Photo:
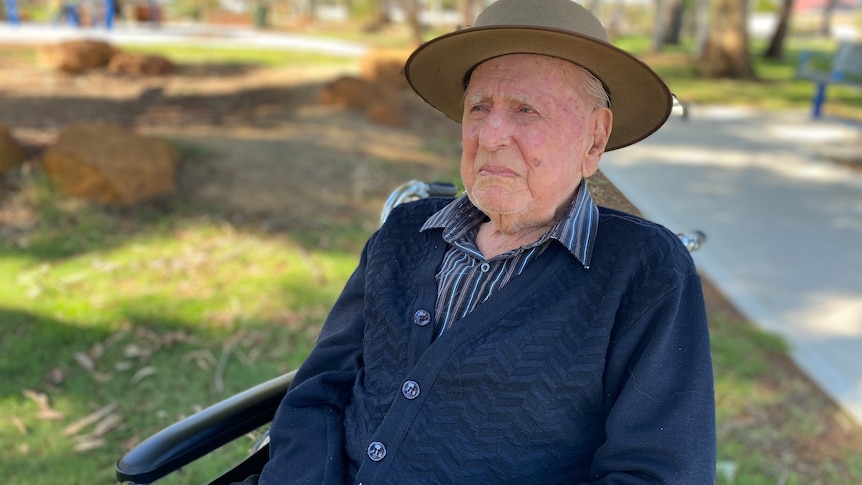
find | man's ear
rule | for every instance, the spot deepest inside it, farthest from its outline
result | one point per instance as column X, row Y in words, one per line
column 603, row 120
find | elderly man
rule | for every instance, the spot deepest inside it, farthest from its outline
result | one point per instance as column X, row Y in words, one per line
column 519, row 333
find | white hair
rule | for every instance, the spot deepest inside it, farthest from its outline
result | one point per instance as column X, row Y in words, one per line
column 595, row 90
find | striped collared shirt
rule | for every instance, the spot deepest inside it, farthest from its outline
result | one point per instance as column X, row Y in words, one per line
column 466, row 278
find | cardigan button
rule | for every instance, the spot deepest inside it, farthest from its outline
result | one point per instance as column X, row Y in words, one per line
column 410, row 389
column 421, row 318
column 376, row 451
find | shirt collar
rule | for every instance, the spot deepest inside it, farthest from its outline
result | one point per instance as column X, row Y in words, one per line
column 576, row 230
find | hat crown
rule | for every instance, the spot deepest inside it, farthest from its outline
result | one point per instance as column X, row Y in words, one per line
column 554, row 14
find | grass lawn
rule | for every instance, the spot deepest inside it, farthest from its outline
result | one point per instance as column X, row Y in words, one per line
column 117, row 322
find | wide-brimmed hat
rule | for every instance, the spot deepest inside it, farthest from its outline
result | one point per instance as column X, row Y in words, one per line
column 439, row 69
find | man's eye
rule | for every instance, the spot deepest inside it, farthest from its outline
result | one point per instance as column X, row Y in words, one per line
column 527, row 109
column 478, row 107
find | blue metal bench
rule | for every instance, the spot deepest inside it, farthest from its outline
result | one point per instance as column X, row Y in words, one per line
column 844, row 67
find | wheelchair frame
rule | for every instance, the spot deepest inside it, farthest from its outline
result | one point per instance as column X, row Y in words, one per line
column 191, row 438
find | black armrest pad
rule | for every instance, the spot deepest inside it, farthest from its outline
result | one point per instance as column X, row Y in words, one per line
column 193, row 437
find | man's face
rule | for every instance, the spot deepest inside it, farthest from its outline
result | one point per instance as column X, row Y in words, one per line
column 529, row 133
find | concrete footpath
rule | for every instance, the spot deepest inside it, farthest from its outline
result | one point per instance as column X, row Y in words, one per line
column 783, row 221
column 178, row 33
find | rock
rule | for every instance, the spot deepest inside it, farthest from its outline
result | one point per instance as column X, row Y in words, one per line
column 139, row 65
column 347, row 92
column 385, row 67
column 11, row 152
column 380, row 103
column 388, row 113
column 76, row 56
column 378, row 89
column 111, row 165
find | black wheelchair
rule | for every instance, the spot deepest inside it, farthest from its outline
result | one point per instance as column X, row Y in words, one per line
column 187, row 440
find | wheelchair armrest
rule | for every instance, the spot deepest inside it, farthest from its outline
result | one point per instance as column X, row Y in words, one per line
column 193, row 437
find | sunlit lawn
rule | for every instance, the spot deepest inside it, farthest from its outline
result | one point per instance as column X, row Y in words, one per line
column 156, row 312
column 148, row 314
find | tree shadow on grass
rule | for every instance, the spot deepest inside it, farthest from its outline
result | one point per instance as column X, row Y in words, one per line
column 148, row 372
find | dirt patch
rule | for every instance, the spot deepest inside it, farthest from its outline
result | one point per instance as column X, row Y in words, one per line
column 257, row 142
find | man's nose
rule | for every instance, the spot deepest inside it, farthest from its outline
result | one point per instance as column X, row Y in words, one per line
column 496, row 130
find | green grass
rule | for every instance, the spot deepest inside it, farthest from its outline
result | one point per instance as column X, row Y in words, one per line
column 190, row 54
column 776, row 86
column 164, row 309
column 162, row 312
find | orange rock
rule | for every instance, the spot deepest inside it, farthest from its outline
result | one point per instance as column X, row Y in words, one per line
column 382, row 104
column 76, row 56
column 347, row 92
column 111, row 165
column 385, row 67
column 11, row 152
column 139, row 65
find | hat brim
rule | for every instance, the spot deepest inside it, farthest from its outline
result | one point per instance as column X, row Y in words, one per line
column 640, row 100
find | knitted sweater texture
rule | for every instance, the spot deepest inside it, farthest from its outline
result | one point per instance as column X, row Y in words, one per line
column 566, row 375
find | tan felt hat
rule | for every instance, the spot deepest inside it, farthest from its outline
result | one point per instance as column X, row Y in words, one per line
column 439, row 69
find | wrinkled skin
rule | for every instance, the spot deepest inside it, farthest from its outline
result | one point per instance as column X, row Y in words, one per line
column 530, row 134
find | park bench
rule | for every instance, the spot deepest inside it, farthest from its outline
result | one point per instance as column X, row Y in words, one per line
column 842, row 67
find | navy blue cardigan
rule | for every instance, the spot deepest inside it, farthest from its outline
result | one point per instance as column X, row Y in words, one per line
column 566, row 375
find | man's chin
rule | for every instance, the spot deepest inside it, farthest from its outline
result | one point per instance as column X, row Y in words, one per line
column 497, row 207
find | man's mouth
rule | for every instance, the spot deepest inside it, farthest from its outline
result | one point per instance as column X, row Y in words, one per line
column 496, row 171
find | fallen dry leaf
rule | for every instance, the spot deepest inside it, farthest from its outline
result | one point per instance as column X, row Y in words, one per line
column 97, row 351
column 136, row 351
column 22, row 428
column 89, row 443
column 143, row 373
column 89, row 419
column 106, row 425
column 100, row 377
column 204, row 358
column 56, row 376
column 85, row 361
column 45, row 410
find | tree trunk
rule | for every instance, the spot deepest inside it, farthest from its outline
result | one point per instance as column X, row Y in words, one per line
column 701, row 27
column 673, row 30
column 617, row 20
column 826, row 24
column 775, row 50
column 467, row 9
column 411, row 11
column 661, row 14
column 380, row 17
column 726, row 51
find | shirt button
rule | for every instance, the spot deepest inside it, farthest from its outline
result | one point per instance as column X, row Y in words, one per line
column 485, row 267
column 410, row 389
column 421, row 318
column 376, row 451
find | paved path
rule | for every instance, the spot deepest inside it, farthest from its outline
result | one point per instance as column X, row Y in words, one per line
column 187, row 34
column 784, row 224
